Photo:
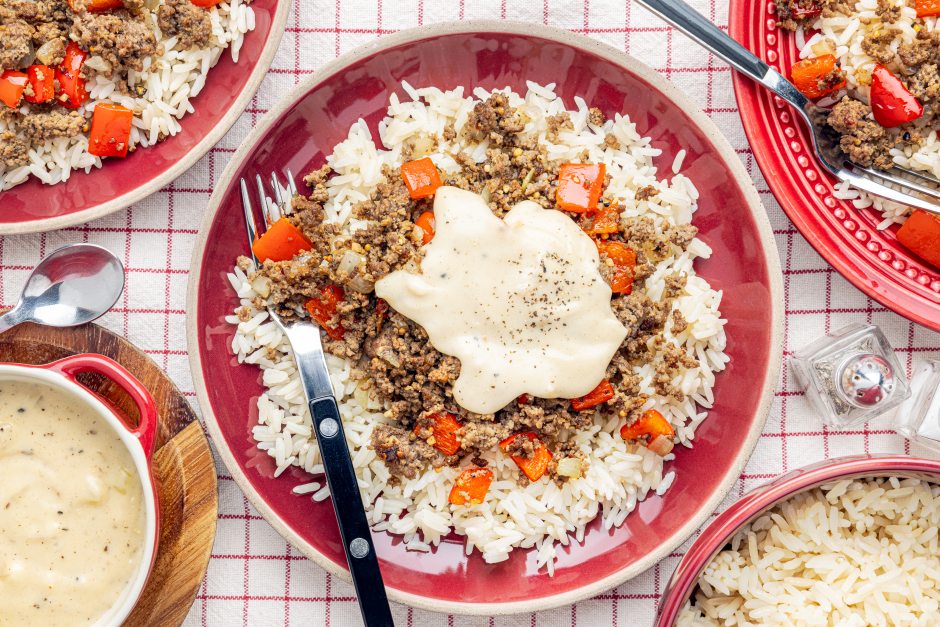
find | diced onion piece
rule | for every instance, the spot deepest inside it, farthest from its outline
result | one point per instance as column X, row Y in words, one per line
column 262, row 285
column 412, row 267
column 487, row 195
column 360, row 284
column 349, row 262
column 361, row 395
column 661, row 445
column 423, row 147
column 390, row 356
column 49, row 52
column 97, row 63
column 569, row 467
column 822, row 48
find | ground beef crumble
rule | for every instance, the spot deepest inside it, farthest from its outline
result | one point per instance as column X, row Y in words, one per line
column 191, row 23
column 392, row 356
column 864, row 141
column 14, row 151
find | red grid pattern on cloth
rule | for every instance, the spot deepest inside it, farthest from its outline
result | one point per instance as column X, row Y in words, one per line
column 255, row 579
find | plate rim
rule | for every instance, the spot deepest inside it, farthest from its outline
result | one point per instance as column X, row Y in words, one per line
column 45, row 225
column 628, row 63
column 841, row 263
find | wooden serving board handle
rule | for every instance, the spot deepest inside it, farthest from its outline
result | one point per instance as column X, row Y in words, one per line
column 183, row 462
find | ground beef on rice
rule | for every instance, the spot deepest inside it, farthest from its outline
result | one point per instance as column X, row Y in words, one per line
column 120, row 37
column 392, row 356
column 14, row 151
column 191, row 23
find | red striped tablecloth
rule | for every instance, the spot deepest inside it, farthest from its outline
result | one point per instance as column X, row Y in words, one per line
column 255, row 579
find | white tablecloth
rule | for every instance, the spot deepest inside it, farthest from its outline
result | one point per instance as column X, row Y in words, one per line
column 255, row 579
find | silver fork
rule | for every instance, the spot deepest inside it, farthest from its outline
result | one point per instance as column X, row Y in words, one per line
column 305, row 343
column 687, row 20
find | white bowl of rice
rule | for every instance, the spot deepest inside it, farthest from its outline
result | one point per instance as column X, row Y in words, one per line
column 850, row 541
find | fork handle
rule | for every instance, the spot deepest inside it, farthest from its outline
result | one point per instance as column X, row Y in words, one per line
column 353, row 526
column 712, row 38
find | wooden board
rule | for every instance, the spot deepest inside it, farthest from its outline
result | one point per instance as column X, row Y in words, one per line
column 182, row 462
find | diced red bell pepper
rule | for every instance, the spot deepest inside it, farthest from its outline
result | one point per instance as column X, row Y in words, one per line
column 444, row 433
column 280, row 242
column 921, row 234
column 206, row 3
column 97, row 6
column 651, row 423
column 381, row 308
column 42, row 80
column 624, row 259
column 72, row 93
column 807, row 74
column 12, row 86
column 522, row 400
column 533, row 467
column 427, row 223
column 421, row 178
column 580, row 186
column 602, row 221
column 110, row 130
column 891, row 103
column 324, row 308
column 471, row 486
column 926, row 8
column 603, row 392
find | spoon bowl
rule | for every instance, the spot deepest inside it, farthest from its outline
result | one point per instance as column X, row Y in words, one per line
column 73, row 285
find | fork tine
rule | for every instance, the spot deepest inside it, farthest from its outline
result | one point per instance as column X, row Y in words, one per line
column 896, row 180
column 921, row 175
column 278, row 196
column 265, row 211
column 250, row 223
column 290, row 184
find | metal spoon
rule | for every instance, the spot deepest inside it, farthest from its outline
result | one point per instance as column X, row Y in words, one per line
column 73, row 285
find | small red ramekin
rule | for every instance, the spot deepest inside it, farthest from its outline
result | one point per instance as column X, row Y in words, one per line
column 139, row 441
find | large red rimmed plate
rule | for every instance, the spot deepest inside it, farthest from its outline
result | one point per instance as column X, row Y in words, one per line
column 33, row 207
column 872, row 260
column 302, row 129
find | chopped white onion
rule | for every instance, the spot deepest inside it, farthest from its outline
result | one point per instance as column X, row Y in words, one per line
column 661, row 445
column 349, row 262
column 360, row 284
column 262, row 285
column 569, row 467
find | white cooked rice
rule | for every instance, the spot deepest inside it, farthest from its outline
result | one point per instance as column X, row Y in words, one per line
column 621, row 474
column 848, row 33
column 850, row 554
column 171, row 79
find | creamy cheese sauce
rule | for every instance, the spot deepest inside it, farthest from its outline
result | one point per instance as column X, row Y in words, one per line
column 519, row 301
column 72, row 518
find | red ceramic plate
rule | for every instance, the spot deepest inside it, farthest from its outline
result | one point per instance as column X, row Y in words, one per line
column 33, row 207
column 301, row 131
column 874, row 261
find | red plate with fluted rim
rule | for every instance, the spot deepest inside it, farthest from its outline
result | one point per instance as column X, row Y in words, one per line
column 298, row 134
column 872, row 260
column 33, row 207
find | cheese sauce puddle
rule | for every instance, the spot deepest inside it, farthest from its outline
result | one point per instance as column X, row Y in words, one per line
column 72, row 518
column 519, row 301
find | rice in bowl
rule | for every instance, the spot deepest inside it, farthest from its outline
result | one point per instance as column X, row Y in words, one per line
column 515, row 512
column 851, row 553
